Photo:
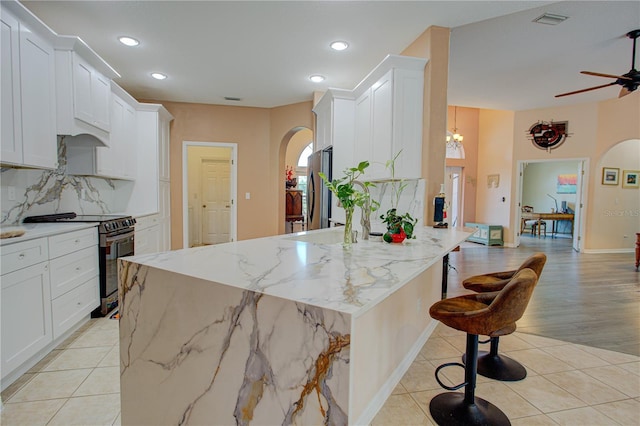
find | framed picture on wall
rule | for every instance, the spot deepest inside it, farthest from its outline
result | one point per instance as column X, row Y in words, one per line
column 630, row 179
column 610, row 176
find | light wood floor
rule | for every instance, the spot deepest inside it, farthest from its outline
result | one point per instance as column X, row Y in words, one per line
column 590, row 299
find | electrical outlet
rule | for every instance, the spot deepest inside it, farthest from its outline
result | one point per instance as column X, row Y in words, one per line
column 83, row 193
column 247, row 196
column 11, row 193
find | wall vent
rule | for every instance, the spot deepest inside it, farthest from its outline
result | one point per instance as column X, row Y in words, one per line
column 550, row 19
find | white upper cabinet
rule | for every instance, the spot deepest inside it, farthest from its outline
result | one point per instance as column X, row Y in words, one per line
column 84, row 91
column 152, row 146
column 373, row 122
column 91, row 92
column 389, row 120
column 28, row 93
column 118, row 160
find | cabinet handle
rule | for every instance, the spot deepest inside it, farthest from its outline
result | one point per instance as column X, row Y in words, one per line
column 78, row 268
column 79, row 303
column 77, row 241
column 21, row 255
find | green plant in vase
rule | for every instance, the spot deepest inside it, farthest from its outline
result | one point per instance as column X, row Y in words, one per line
column 349, row 197
column 399, row 226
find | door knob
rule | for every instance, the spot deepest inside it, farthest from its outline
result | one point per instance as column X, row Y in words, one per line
column 204, row 206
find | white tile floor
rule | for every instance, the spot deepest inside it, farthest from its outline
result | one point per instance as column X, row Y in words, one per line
column 567, row 384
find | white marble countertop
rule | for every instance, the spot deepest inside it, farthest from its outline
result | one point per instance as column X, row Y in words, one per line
column 39, row 230
column 312, row 267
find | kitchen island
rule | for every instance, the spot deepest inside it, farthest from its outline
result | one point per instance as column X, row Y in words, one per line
column 291, row 329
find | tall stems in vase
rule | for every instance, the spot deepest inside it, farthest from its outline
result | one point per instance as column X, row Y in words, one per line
column 349, row 197
column 399, row 226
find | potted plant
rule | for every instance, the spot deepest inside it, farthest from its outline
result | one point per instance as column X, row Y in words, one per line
column 349, row 197
column 399, row 226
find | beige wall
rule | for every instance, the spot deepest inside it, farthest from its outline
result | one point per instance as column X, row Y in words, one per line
column 261, row 135
column 495, row 156
column 614, row 217
column 594, row 129
column 466, row 121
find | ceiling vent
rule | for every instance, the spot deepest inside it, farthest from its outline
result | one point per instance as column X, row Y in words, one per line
column 550, row 19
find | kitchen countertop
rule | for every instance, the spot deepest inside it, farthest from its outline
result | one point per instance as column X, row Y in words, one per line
column 312, row 267
column 39, row 230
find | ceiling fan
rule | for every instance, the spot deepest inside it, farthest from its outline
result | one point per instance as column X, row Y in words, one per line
column 629, row 81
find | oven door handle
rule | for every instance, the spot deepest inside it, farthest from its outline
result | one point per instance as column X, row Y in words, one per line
column 120, row 237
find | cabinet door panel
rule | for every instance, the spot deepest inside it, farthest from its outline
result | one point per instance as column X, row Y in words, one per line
column 26, row 315
column 82, row 107
column 37, row 66
column 382, row 125
column 362, row 138
column 129, row 141
column 10, row 89
column 101, row 94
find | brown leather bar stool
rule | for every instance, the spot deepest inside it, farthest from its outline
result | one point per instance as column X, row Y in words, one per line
column 470, row 313
column 491, row 364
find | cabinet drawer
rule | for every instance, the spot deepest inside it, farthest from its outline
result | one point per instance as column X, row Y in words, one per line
column 146, row 221
column 21, row 255
column 68, row 272
column 62, row 244
column 68, row 309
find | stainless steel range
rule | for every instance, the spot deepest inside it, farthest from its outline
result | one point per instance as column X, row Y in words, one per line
column 116, row 239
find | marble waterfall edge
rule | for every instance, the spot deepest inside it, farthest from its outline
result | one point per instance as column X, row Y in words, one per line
column 244, row 357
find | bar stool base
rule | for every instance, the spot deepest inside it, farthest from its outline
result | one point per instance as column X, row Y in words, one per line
column 450, row 408
column 499, row 367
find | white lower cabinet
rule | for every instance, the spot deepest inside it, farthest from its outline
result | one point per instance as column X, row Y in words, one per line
column 26, row 315
column 49, row 285
column 147, row 236
column 74, row 277
column 68, row 309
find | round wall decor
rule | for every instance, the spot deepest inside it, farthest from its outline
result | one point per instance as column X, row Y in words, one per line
column 548, row 135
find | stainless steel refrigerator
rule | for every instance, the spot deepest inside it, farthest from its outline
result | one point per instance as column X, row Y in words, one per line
column 318, row 196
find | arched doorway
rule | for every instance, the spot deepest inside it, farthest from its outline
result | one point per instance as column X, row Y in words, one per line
column 299, row 147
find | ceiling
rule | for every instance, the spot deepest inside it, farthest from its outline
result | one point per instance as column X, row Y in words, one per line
column 264, row 51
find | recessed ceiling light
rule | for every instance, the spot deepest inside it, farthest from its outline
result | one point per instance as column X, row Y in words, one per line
column 316, row 78
column 158, row 75
column 339, row 45
column 128, row 41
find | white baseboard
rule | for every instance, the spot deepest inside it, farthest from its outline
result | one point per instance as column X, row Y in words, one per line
column 605, row 251
column 381, row 396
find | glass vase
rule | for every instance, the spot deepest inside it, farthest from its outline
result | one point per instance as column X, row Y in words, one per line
column 348, row 221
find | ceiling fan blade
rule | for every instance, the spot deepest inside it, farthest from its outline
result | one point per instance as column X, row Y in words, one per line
column 585, row 90
column 599, row 74
column 624, row 92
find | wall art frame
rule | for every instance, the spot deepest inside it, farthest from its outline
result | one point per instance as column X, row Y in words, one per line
column 610, row 175
column 631, row 178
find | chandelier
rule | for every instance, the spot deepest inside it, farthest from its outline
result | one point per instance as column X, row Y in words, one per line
column 454, row 139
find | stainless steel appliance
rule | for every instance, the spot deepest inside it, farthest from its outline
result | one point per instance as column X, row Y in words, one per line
column 318, row 196
column 116, row 239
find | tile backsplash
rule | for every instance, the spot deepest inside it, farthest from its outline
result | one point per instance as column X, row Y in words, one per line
column 36, row 192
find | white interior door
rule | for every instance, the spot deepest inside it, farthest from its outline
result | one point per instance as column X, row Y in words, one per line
column 216, row 201
column 453, row 194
